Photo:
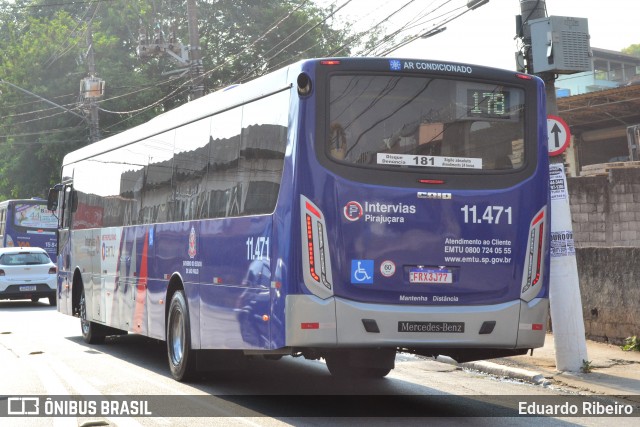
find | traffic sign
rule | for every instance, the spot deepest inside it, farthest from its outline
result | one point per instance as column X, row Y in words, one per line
column 558, row 134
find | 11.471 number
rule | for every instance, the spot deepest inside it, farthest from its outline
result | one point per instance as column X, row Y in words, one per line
column 491, row 214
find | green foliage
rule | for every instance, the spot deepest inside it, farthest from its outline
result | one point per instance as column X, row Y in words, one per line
column 631, row 344
column 634, row 50
column 34, row 134
column 586, row 366
column 44, row 46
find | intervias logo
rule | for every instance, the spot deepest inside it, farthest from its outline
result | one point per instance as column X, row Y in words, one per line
column 353, row 211
column 383, row 213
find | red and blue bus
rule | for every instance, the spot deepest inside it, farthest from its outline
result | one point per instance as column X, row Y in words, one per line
column 28, row 223
column 339, row 209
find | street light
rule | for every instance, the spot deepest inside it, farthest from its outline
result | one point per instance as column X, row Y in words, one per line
column 474, row 4
column 433, row 32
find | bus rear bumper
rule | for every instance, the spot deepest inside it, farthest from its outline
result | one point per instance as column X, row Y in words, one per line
column 336, row 322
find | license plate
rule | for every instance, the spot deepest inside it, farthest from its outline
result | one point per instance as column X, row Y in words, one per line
column 429, row 275
column 27, row 288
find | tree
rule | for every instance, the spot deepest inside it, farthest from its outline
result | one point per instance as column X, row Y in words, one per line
column 634, row 50
column 33, row 133
column 44, row 47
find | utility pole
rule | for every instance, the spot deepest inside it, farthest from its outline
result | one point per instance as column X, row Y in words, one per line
column 190, row 57
column 92, row 88
column 564, row 290
column 195, row 54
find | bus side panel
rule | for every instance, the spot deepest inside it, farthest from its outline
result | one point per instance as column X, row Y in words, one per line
column 81, row 259
column 235, row 285
column 286, row 244
column 95, row 282
column 157, row 282
column 176, row 251
column 109, row 245
column 137, row 249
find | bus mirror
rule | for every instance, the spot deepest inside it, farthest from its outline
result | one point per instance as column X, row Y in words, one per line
column 52, row 199
column 74, row 201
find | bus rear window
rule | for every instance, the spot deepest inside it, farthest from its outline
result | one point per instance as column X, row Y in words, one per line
column 421, row 122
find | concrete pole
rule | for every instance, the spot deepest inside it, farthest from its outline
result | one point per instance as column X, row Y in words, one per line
column 564, row 293
column 94, row 120
column 195, row 54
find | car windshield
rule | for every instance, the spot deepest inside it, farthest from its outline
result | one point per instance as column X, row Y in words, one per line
column 24, row 259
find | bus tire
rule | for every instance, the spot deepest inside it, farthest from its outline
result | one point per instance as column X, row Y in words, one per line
column 92, row 333
column 52, row 301
column 182, row 359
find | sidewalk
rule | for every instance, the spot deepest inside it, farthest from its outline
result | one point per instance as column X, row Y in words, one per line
column 613, row 371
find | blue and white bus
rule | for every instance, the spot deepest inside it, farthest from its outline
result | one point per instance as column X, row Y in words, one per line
column 343, row 209
column 28, row 223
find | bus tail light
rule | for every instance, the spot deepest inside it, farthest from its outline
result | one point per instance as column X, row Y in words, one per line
column 534, row 268
column 316, row 262
column 310, row 325
column 524, row 76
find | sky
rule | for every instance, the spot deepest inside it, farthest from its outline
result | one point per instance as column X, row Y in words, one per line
column 485, row 36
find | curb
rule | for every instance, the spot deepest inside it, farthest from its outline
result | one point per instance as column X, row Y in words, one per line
column 508, row 371
column 500, row 370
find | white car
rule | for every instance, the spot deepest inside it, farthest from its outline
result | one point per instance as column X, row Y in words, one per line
column 27, row 273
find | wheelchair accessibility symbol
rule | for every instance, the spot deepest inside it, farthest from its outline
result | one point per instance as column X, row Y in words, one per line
column 362, row 271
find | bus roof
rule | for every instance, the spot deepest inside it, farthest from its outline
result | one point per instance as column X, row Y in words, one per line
column 235, row 95
column 190, row 112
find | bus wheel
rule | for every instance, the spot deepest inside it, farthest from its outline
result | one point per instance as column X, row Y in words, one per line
column 92, row 333
column 181, row 357
column 52, row 301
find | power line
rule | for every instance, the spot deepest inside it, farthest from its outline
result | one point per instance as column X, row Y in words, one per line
column 422, row 32
column 266, row 61
column 73, row 3
column 370, row 30
column 289, row 38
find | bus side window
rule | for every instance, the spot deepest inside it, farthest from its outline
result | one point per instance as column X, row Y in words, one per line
column 74, row 200
column 67, row 207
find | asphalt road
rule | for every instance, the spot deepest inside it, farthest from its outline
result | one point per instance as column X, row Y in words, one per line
column 42, row 354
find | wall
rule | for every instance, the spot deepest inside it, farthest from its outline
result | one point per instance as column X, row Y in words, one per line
column 610, row 292
column 605, row 211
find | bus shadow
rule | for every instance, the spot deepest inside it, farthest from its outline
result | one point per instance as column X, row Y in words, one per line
column 292, row 387
column 142, row 351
